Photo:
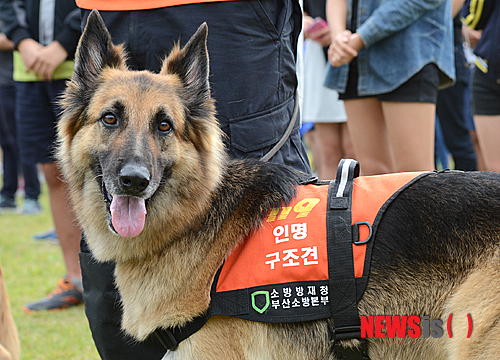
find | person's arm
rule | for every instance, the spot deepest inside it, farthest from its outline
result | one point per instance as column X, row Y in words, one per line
column 319, row 34
column 5, row 43
column 456, row 6
column 48, row 58
column 336, row 16
column 70, row 33
column 341, row 51
column 392, row 17
column 43, row 60
column 14, row 23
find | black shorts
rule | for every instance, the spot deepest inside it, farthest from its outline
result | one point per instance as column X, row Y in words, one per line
column 37, row 114
column 485, row 94
column 421, row 87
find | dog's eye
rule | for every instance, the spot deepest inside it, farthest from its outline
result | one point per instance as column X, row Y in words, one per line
column 164, row 126
column 109, row 119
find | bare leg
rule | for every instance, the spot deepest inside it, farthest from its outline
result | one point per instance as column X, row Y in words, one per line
column 347, row 147
column 411, row 129
column 328, row 136
column 487, row 129
column 67, row 228
column 369, row 136
column 311, row 139
column 477, row 149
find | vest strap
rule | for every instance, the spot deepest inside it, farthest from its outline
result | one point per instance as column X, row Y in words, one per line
column 170, row 338
column 343, row 299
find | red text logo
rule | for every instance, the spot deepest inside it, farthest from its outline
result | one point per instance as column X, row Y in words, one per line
column 413, row 326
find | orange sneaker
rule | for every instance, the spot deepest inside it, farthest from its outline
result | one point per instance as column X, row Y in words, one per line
column 65, row 295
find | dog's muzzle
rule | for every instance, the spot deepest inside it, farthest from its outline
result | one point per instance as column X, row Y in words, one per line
column 127, row 205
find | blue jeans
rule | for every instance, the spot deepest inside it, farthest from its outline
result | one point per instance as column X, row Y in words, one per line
column 451, row 113
column 13, row 164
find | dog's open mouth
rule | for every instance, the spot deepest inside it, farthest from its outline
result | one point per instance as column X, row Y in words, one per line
column 126, row 214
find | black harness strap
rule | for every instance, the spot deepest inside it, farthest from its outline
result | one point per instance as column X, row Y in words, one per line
column 342, row 283
column 170, row 338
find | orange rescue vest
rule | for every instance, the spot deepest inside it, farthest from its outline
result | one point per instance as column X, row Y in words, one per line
column 309, row 260
column 281, row 271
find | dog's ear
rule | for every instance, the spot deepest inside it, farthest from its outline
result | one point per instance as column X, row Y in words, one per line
column 95, row 52
column 191, row 65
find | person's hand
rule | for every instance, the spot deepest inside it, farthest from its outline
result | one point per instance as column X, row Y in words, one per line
column 43, row 60
column 321, row 36
column 471, row 35
column 29, row 48
column 5, row 43
column 307, row 22
column 341, row 51
column 356, row 42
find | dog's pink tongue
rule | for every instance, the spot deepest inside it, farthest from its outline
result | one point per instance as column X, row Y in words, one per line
column 128, row 215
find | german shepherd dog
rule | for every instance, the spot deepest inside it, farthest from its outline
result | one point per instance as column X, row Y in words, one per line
column 154, row 192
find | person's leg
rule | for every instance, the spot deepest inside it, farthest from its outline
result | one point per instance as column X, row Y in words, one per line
column 411, row 128
column 487, row 129
column 8, row 143
column 477, row 150
column 311, row 140
column 486, row 110
column 65, row 222
column 441, row 152
column 469, row 121
column 11, row 151
column 451, row 114
column 330, row 146
column 31, row 181
column 345, row 139
column 37, row 115
column 369, row 136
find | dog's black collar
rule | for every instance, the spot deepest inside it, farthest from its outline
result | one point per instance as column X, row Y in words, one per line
column 170, row 338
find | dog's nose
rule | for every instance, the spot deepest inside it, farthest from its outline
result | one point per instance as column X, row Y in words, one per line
column 134, row 179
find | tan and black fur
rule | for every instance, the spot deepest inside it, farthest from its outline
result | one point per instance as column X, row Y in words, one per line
column 9, row 340
column 153, row 139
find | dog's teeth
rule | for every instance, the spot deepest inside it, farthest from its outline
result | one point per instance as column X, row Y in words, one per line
column 112, row 211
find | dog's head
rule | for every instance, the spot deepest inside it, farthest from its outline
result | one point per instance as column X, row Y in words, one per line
column 136, row 146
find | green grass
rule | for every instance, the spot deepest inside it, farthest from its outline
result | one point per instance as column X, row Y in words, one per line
column 32, row 270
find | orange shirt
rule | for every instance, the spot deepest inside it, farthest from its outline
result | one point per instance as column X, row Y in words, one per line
column 126, row 5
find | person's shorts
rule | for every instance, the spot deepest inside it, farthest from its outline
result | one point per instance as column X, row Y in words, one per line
column 37, row 115
column 485, row 94
column 422, row 87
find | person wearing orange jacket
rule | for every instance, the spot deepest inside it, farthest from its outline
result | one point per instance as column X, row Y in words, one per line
column 252, row 46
